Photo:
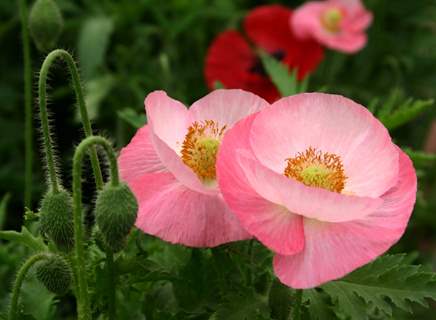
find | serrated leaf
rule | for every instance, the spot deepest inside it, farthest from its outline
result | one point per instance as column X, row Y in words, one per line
column 318, row 306
column 3, row 206
column 389, row 281
column 246, row 305
column 285, row 81
column 133, row 118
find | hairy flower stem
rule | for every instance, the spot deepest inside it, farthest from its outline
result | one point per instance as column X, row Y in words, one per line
column 296, row 308
column 48, row 143
column 83, row 304
column 19, row 281
column 28, row 128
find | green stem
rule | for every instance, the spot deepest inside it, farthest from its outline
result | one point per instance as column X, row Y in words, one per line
column 83, row 305
column 296, row 310
column 48, row 143
column 19, row 281
column 28, row 128
column 111, row 294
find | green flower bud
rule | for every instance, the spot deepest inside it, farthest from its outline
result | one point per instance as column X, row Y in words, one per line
column 57, row 219
column 100, row 241
column 55, row 274
column 115, row 213
column 45, row 24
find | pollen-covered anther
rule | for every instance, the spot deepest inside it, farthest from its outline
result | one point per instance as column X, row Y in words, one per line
column 331, row 20
column 200, row 148
column 319, row 169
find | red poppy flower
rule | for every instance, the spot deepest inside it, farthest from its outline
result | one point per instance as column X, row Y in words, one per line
column 233, row 62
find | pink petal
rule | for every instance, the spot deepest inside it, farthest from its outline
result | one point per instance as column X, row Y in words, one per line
column 346, row 41
column 306, row 19
column 333, row 124
column 314, row 203
column 168, row 118
column 139, row 157
column 274, row 226
column 334, row 249
column 177, row 214
column 169, row 121
column 226, row 106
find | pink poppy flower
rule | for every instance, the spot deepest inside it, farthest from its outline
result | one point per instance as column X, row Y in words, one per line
column 317, row 179
column 338, row 24
column 170, row 166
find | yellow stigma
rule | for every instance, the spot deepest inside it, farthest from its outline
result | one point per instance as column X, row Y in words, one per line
column 315, row 168
column 331, row 20
column 200, row 148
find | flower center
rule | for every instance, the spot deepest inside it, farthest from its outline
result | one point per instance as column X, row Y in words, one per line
column 331, row 19
column 319, row 169
column 200, row 147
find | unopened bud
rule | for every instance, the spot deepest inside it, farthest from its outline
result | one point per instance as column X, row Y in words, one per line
column 45, row 24
column 115, row 212
column 55, row 274
column 57, row 219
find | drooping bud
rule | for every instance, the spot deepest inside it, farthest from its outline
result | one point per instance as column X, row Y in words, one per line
column 45, row 24
column 100, row 241
column 115, row 212
column 57, row 219
column 55, row 274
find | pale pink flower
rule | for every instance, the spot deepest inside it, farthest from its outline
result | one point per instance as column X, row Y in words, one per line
column 338, row 24
column 317, row 179
column 170, row 166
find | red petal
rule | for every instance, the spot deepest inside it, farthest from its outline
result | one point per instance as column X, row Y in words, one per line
column 270, row 29
column 229, row 60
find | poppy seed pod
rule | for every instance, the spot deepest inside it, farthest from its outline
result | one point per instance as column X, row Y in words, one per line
column 55, row 274
column 115, row 213
column 45, row 24
column 100, row 241
column 57, row 219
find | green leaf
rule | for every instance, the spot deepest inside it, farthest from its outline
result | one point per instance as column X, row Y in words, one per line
column 381, row 285
column 218, row 85
column 93, row 43
column 246, row 305
column 133, row 118
column 421, row 159
column 3, row 206
column 319, row 308
column 96, row 90
column 25, row 237
column 37, row 301
column 280, row 299
column 285, row 81
column 397, row 110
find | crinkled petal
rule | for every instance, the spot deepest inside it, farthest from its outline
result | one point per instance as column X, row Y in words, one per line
column 139, row 157
column 226, row 106
column 333, row 124
column 334, row 249
column 273, row 225
column 176, row 214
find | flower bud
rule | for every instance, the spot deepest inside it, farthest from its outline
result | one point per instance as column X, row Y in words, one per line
column 57, row 219
column 100, row 241
column 55, row 274
column 115, row 213
column 45, row 24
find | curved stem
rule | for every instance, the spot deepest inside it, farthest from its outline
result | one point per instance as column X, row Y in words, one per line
column 48, row 143
column 296, row 310
column 19, row 281
column 28, row 128
column 84, row 310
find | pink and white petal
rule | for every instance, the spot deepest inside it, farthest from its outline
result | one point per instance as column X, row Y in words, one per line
column 274, row 226
column 346, row 41
column 307, row 19
column 332, row 250
column 168, row 118
column 329, row 123
column 176, row 214
column 226, row 107
column 357, row 21
column 181, row 172
column 139, row 157
column 310, row 202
